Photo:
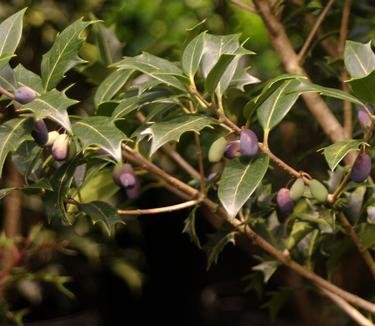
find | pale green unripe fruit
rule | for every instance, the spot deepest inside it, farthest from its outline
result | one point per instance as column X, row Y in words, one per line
column 217, row 149
column 318, row 191
column 52, row 135
column 297, row 189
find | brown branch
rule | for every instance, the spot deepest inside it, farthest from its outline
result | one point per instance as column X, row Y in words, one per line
column 348, row 125
column 364, row 252
column 159, row 210
column 314, row 30
column 288, row 57
column 200, row 163
column 221, row 216
column 348, row 309
column 6, row 93
column 12, row 202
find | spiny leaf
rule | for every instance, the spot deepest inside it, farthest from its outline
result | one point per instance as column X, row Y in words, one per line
column 111, row 85
column 158, row 68
column 102, row 132
column 100, row 211
column 336, row 152
column 192, row 55
column 52, row 105
column 268, row 268
column 242, row 78
column 12, row 134
column 239, row 180
column 171, row 130
column 189, row 227
column 63, row 54
column 216, row 73
column 10, row 35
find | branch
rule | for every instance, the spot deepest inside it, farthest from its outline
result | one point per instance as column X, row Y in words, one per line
column 364, row 252
column 6, row 93
column 166, row 209
column 314, row 30
column 289, row 58
column 348, row 309
column 221, row 216
column 200, row 162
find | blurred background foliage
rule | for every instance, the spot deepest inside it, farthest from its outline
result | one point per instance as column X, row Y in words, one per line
column 141, row 252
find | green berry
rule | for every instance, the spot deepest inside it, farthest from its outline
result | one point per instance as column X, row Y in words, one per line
column 217, row 149
column 297, row 189
column 318, row 191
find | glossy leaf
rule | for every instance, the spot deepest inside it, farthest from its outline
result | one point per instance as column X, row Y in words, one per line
column 111, row 85
column 364, row 87
column 63, row 54
column 171, row 130
column 60, row 181
column 100, row 211
column 12, row 134
column 157, row 68
column 102, row 132
column 28, row 160
column 52, row 105
column 8, row 78
column 216, row 73
column 239, row 180
column 336, row 152
column 25, row 77
column 278, row 104
column 242, row 78
column 10, row 35
column 268, row 268
column 192, row 55
column 359, row 59
column 299, row 230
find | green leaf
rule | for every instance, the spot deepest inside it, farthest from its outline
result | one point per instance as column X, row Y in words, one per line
column 268, row 268
column 100, row 211
column 52, row 105
column 12, row 134
column 60, row 182
column 216, row 73
column 102, row 132
column 277, row 301
column 242, row 78
column 25, row 77
column 299, row 230
column 192, row 55
column 10, row 35
column 239, row 180
column 8, row 78
column 111, row 85
column 359, row 59
column 278, row 104
column 364, row 87
column 5, row 58
column 28, row 160
column 171, row 130
column 336, row 152
column 189, row 227
column 63, row 54
column 367, row 235
column 157, row 68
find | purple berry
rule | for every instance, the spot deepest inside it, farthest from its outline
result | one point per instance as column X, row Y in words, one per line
column 135, row 191
column 361, row 168
column 232, row 150
column 284, row 201
column 24, row 95
column 101, row 152
column 248, row 143
column 124, row 176
column 40, row 132
column 60, row 147
column 364, row 118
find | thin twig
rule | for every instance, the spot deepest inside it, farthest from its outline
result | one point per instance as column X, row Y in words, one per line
column 364, row 252
column 314, row 30
column 244, row 6
column 200, row 163
column 221, row 215
column 159, row 210
column 6, row 93
column 348, row 309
